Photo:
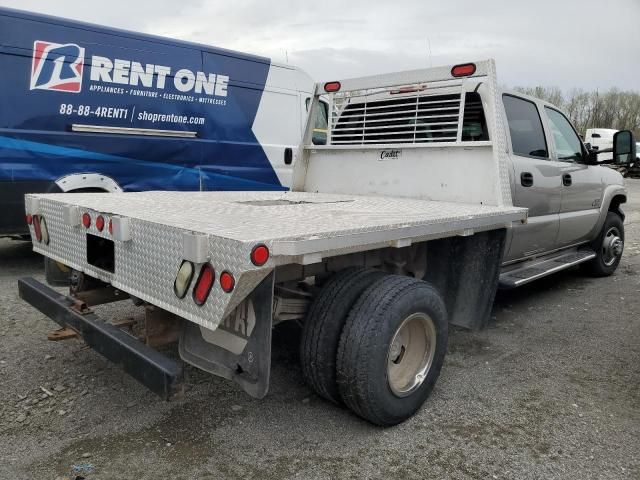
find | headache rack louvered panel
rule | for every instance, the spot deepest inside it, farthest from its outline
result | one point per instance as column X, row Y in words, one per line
column 415, row 114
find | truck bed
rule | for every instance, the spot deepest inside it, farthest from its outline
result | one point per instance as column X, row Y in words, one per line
column 297, row 227
column 296, row 223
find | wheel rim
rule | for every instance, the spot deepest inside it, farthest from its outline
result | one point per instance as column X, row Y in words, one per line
column 612, row 246
column 410, row 354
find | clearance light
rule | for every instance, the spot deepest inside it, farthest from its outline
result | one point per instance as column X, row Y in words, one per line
column 259, row 255
column 43, row 230
column 331, row 87
column 29, row 219
column 408, row 89
column 227, row 282
column 110, row 226
column 86, row 220
column 203, row 284
column 183, row 279
column 463, row 70
column 100, row 223
column 36, row 228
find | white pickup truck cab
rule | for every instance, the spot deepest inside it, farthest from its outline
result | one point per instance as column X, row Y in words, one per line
column 432, row 189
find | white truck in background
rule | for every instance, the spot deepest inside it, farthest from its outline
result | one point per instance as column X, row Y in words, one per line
column 433, row 189
column 601, row 139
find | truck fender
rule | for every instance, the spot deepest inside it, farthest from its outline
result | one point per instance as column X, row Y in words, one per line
column 77, row 181
column 613, row 197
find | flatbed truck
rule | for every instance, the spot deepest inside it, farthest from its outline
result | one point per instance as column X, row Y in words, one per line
column 399, row 226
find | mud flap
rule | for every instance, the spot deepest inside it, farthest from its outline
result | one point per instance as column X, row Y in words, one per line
column 466, row 271
column 240, row 349
column 56, row 274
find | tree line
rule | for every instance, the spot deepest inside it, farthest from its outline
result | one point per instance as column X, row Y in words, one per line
column 614, row 108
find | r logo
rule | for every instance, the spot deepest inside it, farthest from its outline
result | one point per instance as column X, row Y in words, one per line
column 56, row 66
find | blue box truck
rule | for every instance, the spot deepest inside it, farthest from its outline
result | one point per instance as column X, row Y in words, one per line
column 89, row 108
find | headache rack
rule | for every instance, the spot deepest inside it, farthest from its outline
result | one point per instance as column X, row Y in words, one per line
column 409, row 109
column 436, row 125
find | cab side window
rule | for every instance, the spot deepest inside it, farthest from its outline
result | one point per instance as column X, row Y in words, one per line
column 566, row 140
column 527, row 135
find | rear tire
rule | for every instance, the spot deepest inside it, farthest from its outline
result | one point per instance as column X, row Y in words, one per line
column 323, row 326
column 608, row 250
column 392, row 349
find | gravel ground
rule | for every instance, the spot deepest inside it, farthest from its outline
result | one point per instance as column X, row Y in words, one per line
column 550, row 390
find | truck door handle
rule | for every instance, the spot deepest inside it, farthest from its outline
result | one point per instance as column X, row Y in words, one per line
column 288, row 156
column 526, row 179
column 566, row 180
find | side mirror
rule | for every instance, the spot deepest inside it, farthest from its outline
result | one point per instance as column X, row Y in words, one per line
column 319, row 137
column 592, row 157
column 624, row 147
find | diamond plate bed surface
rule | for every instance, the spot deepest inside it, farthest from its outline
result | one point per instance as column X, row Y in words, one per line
column 291, row 224
column 269, row 216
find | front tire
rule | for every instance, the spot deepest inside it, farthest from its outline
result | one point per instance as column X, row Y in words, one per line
column 608, row 247
column 392, row 349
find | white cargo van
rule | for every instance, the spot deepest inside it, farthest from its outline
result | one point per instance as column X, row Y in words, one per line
column 87, row 108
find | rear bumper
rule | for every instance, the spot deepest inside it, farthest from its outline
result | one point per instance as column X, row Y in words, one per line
column 154, row 370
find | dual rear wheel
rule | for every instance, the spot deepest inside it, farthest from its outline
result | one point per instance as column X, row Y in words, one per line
column 375, row 342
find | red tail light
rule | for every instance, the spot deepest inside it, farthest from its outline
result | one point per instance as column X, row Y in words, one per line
column 259, row 255
column 227, row 282
column 100, row 223
column 330, row 87
column 86, row 220
column 29, row 218
column 110, row 226
column 463, row 70
column 36, row 228
column 203, row 284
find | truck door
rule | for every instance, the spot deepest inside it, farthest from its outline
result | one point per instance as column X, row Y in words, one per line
column 536, row 180
column 581, row 184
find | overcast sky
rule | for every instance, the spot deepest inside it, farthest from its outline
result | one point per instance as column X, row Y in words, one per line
column 566, row 43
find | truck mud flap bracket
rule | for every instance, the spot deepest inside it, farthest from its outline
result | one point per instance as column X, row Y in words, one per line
column 250, row 364
column 154, row 370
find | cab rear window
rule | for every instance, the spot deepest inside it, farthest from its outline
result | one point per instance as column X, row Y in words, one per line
column 474, row 123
